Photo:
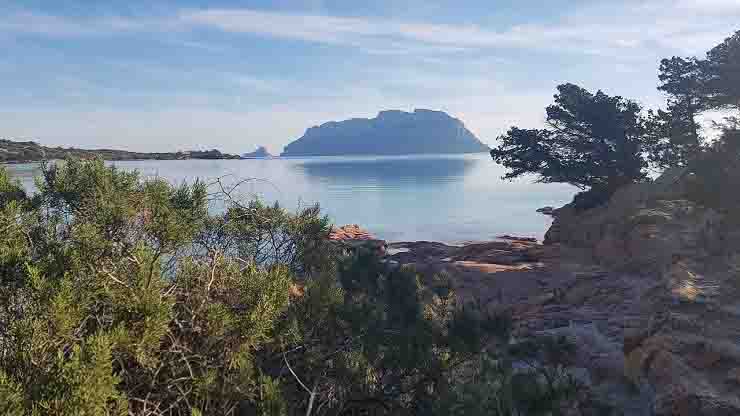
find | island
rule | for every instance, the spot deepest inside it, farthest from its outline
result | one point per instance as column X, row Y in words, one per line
column 392, row 132
column 13, row 151
column 260, row 153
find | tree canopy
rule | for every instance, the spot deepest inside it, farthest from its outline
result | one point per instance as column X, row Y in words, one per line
column 599, row 142
column 721, row 70
column 692, row 86
column 591, row 140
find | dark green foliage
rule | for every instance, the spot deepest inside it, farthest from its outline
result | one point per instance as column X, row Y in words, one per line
column 674, row 135
column 591, row 140
column 722, row 74
column 114, row 307
column 600, row 143
column 523, row 380
column 715, row 174
column 269, row 234
column 121, row 295
column 592, row 198
column 693, row 86
column 10, row 190
column 384, row 336
column 682, row 80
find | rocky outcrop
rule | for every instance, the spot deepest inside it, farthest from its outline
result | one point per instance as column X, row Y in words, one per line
column 260, row 153
column 646, row 287
column 352, row 238
column 392, row 132
column 682, row 347
column 551, row 290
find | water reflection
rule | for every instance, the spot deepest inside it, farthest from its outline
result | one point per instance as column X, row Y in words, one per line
column 450, row 198
column 427, row 170
column 25, row 173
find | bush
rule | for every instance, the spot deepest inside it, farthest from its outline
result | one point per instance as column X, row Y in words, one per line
column 123, row 295
column 518, row 382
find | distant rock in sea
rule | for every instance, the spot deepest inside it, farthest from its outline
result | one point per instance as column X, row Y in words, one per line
column 260, row 153
column 392, row 132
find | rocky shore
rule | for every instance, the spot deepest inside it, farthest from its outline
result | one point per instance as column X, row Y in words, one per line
column 646, row 287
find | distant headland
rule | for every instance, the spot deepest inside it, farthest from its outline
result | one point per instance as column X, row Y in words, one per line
column 28, row 151
column 392, row 132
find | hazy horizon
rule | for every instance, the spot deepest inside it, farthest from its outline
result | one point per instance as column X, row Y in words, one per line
column 234, row 75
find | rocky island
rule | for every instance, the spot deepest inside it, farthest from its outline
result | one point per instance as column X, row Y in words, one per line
column 392, row 132
column 260, row 153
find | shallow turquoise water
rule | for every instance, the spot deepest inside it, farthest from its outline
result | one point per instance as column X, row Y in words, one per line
column 449, row 198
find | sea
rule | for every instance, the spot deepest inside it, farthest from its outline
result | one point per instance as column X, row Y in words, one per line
column 454, row 199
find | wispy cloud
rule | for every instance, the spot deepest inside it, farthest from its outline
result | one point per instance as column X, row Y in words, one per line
column 592, row 30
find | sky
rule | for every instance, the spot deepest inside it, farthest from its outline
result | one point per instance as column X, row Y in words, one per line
column 186, row 74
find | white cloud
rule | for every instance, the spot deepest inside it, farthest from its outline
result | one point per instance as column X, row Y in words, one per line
column 41, row 24
column 595, row 29
column 709, row 6
column 686, row 25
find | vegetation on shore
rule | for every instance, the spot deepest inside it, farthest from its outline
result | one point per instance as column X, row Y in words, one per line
column 29, row 151
column 600, row 142
column 122, row 295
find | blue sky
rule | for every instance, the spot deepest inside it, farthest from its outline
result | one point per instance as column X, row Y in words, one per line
column 166, row 75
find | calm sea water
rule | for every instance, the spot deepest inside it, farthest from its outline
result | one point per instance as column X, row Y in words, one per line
column 448, row 198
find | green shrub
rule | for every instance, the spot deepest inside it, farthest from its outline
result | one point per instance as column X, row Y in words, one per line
column 123, row 295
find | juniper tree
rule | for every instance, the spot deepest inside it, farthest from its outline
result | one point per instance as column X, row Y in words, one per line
column 673, row 134
column 721, row 69
column 592, row 141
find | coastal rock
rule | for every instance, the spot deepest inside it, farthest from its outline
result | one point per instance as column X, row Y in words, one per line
column 551, row 290
column 684, row 336
column 352, row 238
column 350, row 232
column 645, row 288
